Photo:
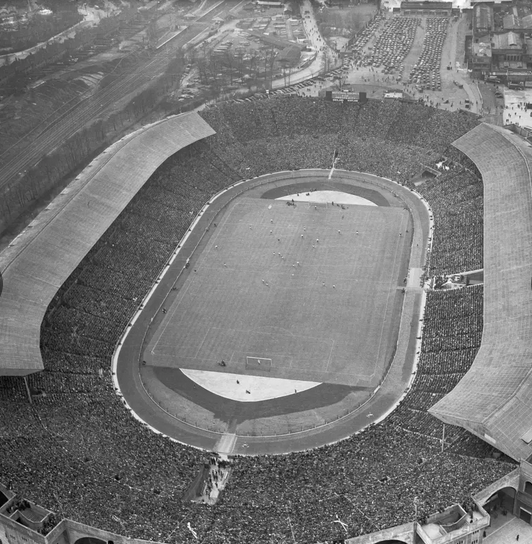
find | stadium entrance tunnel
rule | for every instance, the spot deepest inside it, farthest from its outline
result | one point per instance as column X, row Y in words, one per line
column 90, row 540
column 253, row 268
column 3, row 499
column 501, row 501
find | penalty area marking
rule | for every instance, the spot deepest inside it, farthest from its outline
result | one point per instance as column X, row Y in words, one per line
column 324, row 197
column 235, row 386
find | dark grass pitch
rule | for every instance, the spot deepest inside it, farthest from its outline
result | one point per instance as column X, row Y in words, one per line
column 315, row 289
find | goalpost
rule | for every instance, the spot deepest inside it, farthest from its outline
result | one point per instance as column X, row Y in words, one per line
column 259, row 363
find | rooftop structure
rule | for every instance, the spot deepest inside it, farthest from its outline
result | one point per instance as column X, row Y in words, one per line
column 508, row 40
column 482, row 19
column 439, row 8
column 511, row 21
column 526, row 21
column 454, row 524
column 481, row 49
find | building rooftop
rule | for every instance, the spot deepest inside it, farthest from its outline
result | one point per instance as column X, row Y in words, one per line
column 511, row 21
column 427, row 4
column 481, row 49
column 454, row 522
column 508, row 40
column 526, row 21
column 483, row 16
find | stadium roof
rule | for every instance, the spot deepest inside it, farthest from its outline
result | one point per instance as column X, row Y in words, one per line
column 38, row 262
column 494, row 399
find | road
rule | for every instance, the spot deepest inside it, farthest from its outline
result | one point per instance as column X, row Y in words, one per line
column 30, row 149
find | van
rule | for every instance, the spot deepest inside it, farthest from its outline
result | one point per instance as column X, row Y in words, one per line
column 493, row 79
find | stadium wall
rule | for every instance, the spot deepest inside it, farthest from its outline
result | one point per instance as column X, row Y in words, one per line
column 511, row 493
column 65, row 532
column 13, row 532
column 71, row 531
column 23, row 522
column 509, row 480
column 405, row 533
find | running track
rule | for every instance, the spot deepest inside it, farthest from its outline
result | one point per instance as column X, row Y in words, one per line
column 396, row 381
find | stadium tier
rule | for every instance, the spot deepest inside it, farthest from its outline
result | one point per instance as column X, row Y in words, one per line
column 493, row 400
column 78, row 451
column 38, row 262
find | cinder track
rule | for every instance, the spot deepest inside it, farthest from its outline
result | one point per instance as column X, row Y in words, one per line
column 131, row 373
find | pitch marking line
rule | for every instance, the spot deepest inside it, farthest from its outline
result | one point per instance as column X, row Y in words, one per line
column 390, row 295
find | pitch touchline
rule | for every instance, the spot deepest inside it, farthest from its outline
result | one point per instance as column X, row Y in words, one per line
column 391, row 295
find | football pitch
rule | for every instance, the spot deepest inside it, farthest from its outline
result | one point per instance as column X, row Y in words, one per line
column 306, row 292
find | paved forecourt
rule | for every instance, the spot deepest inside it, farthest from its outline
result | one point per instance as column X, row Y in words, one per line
column 304, row 292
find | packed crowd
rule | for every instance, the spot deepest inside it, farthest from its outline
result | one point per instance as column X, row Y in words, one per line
column 131, row 481
column 407, row 128
column 456, row 198
column 452, row 332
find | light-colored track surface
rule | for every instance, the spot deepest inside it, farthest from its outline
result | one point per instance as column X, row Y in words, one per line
column 236, row 386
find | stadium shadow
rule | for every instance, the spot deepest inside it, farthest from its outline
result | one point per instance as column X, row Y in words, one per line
column 229, row 410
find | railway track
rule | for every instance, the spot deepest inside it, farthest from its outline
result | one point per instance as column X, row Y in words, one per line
column 38, row 144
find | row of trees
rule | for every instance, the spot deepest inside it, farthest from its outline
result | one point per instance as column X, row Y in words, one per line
column 254, row 68
column 333, row 22
column 16, row 75
column 38, row 28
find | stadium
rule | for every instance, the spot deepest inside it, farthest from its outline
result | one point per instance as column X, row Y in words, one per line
column 160, row 254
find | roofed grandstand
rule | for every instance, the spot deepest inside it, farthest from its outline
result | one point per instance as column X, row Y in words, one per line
column 39, row 261
column 493, row 400
column 129, row 479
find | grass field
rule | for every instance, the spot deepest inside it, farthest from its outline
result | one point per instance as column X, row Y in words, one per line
column 315, row 291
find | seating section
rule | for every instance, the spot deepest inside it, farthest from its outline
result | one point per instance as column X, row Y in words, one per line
column 78, row 451
column 452, row 331
column 456, row 199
